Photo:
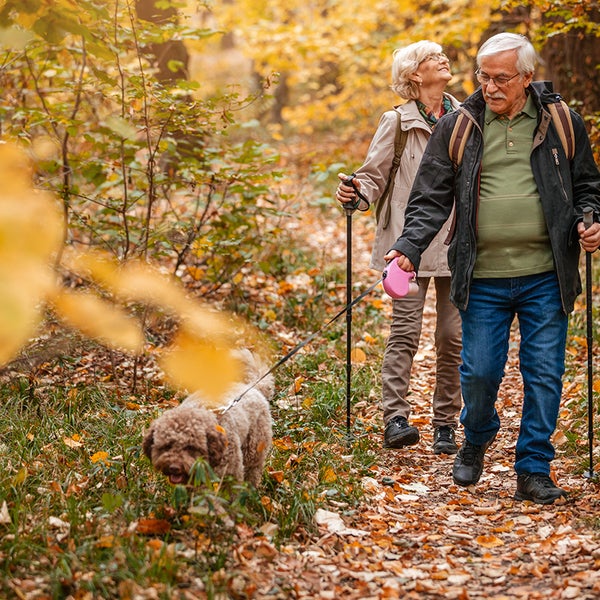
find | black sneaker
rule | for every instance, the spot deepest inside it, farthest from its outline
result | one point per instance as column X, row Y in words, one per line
column 537, row 488
column 398, row 433
column 468, row 464
column 444, row 441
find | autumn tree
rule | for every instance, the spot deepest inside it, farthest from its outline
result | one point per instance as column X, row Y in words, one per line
column 85, row 88
column 334, row 58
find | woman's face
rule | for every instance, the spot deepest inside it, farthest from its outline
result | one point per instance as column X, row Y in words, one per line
column 434, row 70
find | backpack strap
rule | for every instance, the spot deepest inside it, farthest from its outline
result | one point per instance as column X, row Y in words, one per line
column 384, row 201
column 458, row 139
column 561, row 117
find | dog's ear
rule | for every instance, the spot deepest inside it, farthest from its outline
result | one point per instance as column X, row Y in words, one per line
column 216, row 442
column 148, row 441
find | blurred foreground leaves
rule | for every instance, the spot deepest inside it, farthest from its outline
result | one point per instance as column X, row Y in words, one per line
column 31, row 252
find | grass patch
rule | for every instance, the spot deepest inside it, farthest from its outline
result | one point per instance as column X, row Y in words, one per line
column 84, row 513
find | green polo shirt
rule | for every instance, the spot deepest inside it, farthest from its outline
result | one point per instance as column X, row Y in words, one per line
column 512, row 238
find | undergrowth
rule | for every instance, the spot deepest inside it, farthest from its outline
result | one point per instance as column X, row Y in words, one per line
column 84, row 515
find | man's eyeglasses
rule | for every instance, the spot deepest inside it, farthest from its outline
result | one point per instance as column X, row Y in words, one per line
column 440, row 57
column 500, row 81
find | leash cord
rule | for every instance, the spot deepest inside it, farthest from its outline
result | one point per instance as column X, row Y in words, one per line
column 301, row 345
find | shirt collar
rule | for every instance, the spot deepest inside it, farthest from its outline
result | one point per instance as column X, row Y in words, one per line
column 529, row 109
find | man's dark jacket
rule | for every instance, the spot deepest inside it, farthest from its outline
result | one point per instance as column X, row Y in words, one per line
column 565, row 188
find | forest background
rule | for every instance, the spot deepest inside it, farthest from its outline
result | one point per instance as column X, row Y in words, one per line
column 167, row 159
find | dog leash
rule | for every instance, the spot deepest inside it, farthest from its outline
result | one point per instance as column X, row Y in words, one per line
column 301, row 345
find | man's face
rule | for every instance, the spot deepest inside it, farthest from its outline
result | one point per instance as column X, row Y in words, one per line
column 507, row 99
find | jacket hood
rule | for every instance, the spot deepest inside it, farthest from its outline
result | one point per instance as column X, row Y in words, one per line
column 544, row 91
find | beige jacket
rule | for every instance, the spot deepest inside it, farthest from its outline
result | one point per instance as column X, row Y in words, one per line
column 373, row 176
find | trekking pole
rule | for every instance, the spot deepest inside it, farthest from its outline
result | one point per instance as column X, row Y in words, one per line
column 588, row 219
column 349, row 212
column 349, row 208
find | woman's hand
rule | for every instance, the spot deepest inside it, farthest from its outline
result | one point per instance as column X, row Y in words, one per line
column 345, row 193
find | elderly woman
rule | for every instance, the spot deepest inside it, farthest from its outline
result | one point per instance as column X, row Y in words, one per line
column 420, row 73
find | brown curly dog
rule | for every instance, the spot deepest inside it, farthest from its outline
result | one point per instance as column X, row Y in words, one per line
column 235, row 442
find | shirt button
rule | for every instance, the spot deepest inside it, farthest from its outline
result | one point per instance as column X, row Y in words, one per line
column 511, row 144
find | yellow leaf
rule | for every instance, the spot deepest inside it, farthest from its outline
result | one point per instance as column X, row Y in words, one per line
column 358, row 355
column 329, row 475
column 99, row 266
column 270, row 314
column 106, row 541
column 284, row 443
column 276, row 475
column 155, row 544
column 21, row 476
column 99, row 319
column 298, row 384
column 31, row 234
column 199, row 366
column 308, row 402
column 99, row 457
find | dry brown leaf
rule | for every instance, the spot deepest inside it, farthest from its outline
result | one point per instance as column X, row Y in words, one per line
column 153, row 526
column 489, row 541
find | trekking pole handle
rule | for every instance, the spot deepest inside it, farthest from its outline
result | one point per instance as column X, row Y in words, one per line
column 360, row 197
column 588, row 216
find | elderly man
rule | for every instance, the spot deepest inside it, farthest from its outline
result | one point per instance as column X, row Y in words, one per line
column 514, row 250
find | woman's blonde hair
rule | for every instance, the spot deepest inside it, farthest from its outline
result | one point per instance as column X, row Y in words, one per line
column 406, row 62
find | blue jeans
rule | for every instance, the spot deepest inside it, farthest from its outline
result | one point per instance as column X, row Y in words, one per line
column 486, row 323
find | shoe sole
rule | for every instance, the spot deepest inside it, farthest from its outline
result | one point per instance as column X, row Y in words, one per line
column 410, row 439
column 521, row 497
column 465, row 483
column 445, row 449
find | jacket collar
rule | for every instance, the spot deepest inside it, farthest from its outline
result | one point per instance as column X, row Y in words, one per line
column 411, row 117
column 541, row 93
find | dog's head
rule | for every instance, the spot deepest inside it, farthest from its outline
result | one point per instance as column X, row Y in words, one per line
column 181, row 435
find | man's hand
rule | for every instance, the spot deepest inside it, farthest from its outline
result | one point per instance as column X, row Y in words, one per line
column 403, row 262
column 589, row 238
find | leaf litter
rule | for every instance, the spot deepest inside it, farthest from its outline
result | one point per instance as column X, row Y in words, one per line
column 418, row 535
column 414, row 534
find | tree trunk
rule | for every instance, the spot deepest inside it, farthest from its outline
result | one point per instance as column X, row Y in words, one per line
column 572, row 65
column 171, row 58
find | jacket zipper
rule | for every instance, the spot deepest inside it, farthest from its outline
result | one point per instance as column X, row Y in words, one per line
column 562, row 183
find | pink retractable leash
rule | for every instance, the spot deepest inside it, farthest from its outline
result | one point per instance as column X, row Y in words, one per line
column 398, row 283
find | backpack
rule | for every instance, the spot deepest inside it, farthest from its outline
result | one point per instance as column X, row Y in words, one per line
column 561, row 117
column 399, row 144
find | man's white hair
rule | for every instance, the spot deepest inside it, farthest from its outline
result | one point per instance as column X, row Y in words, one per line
column 527, row 57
